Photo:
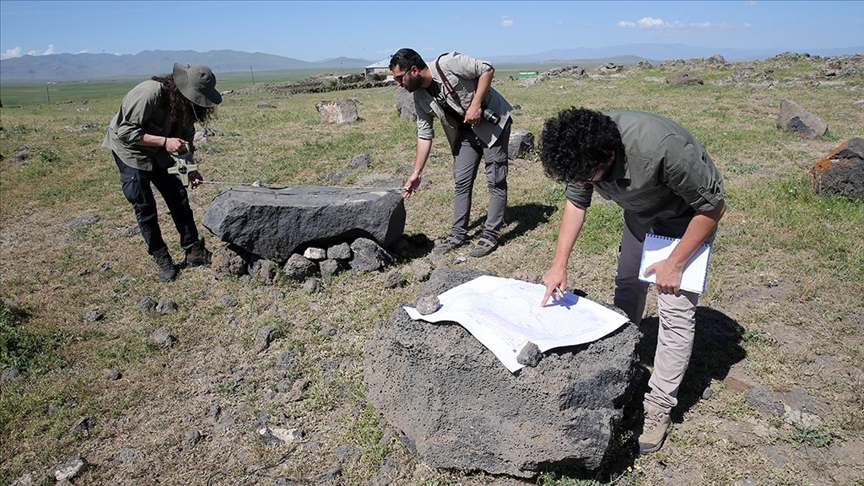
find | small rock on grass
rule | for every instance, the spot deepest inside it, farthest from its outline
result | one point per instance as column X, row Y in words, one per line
column 147, row 303
column 263, row 338
column 167, row 307
column 394, row 279
column 130, row 455
column 192, row 437
column 111, row 374
column 313, row 286
column 93, row 316
column 71, row 468
column 10, row 373
column 162, row 338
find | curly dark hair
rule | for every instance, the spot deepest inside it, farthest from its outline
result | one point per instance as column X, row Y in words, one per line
column 576, row 143
column 180, row 109
column 405, row 58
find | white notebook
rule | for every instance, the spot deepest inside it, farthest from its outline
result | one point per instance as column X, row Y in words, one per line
column 658, row 248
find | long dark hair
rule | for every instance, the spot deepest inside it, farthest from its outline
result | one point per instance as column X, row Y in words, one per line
column 180, row 109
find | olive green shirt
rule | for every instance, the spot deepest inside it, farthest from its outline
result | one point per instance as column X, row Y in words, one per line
column 661, row 180
column 145, row 109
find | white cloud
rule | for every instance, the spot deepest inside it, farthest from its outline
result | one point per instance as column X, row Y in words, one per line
column 751, row 3
column 82, row 52
column 651, row 23
column 561, row 22
column 507, row 22
column 10, row 53
column 50, row 50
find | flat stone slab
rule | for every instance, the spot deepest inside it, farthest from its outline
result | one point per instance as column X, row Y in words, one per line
column 274, row 223
column 459, row 408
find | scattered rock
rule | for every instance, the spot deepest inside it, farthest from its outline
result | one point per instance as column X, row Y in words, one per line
column 82, row 426
column 707, row 393
column 228, row 300
column 368, row 256
column 264, row 269
column 192, row 437
column 530, row 355
column 297, row 389
column 93, row 316
column 71, row 468
column 285, row 359
column 342, row 251
column 793, row 117
column 111, row 374
column 147, row 303
column 361, row 161
column 328, row 268
column 842, row 170
column 263, row 338
column 283, row 385
column 684, row 78
column 162, row 339
column 313, row 286
column 764, row 401
column 105, row 266
column 214, row 411
column 227, row 261
column 521, row 143
column 166, row 307
column 328, row 476
column 405, row 104
column 9, row 373
column 421, row 269
column 395, row 279
column 427, row 304
column 347, row 454
column 280, row 436
column 130, row 455
column 83, row 272
column 266, row 105
column 85, row 220
column 25, row 480
column 339, row 111
column 299, row 267
column 315, row 254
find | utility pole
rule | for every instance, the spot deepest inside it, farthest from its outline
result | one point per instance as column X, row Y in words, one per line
column 253, row 75
column 47, row 93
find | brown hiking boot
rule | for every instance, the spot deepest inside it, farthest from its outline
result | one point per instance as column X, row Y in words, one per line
column 654, row 429
column 197, row 255
column 164, row 265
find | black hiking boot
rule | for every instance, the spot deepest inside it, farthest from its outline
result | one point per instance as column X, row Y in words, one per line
column 197, row 255
column 164, row 265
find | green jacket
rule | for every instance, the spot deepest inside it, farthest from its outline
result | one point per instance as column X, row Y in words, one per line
column 663, row 178
column 144, row 110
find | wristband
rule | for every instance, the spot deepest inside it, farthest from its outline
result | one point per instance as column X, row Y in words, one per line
column 416, row 172
column 164, row 142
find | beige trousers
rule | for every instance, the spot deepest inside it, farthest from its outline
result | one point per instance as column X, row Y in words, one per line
column 677, row 324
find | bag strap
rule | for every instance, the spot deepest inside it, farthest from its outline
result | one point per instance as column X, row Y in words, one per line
column 449, row 87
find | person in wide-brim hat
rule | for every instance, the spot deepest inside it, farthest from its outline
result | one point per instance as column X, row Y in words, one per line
column 198, row 84
column 157, row 119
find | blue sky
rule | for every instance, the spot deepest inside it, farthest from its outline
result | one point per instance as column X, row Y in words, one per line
column 314, row 31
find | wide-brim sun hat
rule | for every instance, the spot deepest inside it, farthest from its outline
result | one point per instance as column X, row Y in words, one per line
column 198, row 84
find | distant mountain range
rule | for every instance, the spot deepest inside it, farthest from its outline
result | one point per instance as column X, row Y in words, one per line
column 68, row 67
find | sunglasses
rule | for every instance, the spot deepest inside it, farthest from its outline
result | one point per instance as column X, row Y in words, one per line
column 398, row 78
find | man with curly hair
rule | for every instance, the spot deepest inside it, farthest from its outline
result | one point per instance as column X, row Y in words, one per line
column 156, row 119
column 667, row 184
column 457, row 89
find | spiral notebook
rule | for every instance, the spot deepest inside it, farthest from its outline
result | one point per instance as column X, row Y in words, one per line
column 658, row 248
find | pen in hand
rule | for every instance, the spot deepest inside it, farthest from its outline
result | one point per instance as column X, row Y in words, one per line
column 559, row 293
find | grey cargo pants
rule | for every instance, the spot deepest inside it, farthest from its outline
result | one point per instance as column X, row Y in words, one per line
column 465, row 165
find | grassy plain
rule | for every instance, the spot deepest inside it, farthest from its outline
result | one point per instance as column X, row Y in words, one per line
column 787, row 271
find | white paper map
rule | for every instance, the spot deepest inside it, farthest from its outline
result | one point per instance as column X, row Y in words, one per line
column 505, row 314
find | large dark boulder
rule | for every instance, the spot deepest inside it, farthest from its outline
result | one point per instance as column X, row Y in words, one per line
column 274, row 223
column 460, row 408
column 842, row 170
